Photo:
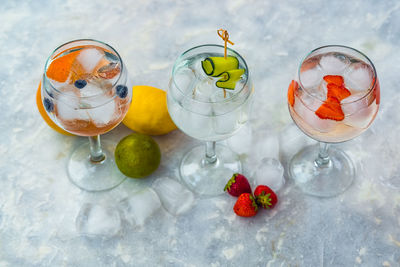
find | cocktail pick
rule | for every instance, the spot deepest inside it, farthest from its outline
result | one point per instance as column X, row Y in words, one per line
column 225, row 36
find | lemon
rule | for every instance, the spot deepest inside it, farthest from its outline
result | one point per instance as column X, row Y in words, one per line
column 137, row 155
column 148, row 113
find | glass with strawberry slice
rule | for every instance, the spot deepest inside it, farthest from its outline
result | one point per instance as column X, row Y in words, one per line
column 334, row 98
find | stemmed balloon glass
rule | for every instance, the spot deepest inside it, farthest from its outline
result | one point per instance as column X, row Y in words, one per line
column 334, row 98
column 85, row 91
column 208, row 113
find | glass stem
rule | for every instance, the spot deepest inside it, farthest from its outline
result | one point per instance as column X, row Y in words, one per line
column 211, row 157
column 323, row 156
column 96, row 153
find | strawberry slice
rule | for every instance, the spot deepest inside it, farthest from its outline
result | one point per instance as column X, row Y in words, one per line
column 335, row 79
column 293, row 86
column 337, row 91
column 331, row 110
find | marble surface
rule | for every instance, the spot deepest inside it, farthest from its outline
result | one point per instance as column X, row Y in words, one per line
column 39, row 206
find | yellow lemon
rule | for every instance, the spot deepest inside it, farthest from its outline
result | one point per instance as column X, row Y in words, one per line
column 148, row 113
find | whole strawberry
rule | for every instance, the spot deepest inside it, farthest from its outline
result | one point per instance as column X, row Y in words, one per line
column 246, row 205
column 265, row 197
column 237, row 185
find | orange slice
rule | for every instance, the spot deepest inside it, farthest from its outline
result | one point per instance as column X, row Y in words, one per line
column 293, row 86
column 60, row 68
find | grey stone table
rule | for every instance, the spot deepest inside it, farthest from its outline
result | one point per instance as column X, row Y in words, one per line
column 39, row 206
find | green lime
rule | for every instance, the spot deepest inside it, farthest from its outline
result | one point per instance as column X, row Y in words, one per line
column 137, row 155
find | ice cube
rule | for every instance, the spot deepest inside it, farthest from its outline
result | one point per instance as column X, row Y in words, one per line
column 307, row 115
column 96, row 220
column 270, row 173
column 194, row 119
column 291, row 140
column 266, row 145
column 109, row 71
column 89, row 58
column 241, row 142
column 227, row 123
column 358, row 77
column 91, row 90
column 358, row 113
column 68, row 108
column 204, row 89
column 103, row 114
column 139, row 207
column 175, row 198
column 311, row 78
column 333, row 65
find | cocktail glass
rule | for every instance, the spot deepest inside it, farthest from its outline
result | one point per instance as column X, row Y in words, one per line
column 208, row 113
column 322, row 108
column 85, row 91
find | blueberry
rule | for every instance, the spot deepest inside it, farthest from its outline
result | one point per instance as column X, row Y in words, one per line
column 48, row 105
column 122, row 91
column 80, row 84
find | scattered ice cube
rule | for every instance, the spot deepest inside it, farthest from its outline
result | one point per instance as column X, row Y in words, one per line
column 89, row 58
column 175, row 198
column 311, row 78
column 98, row 221
column 291, row 140
column 333, row 65
column 307, row 114
column 266, row 145
column 270, row 173
column 241, row 142
column 139, row 207
column 358, row 77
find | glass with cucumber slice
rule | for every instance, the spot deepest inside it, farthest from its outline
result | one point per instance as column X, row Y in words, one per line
column 201, row 107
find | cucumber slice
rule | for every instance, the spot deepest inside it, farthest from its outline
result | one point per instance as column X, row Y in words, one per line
column 214, row 66
column 229, row 78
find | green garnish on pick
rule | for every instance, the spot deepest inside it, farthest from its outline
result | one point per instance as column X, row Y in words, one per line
column 214, row 66
column 229, row 78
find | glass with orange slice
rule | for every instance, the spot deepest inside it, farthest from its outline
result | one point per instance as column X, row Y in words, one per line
column 334, row 98
column 85, row 92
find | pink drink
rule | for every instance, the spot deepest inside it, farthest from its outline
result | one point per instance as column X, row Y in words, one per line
column 310, row 92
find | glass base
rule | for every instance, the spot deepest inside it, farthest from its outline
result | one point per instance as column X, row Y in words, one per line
column 328, row 180
column 209, row 179
column 94, row 176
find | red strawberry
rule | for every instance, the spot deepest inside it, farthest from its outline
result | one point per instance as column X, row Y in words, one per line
column 246, row 205
column 237, row 185
column 293, row 86
column 339, row 92
column 330, row 109
column 335, row 79
column 265, row 197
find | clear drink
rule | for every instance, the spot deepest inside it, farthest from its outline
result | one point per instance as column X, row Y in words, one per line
column 200, row 108
column 209, row 108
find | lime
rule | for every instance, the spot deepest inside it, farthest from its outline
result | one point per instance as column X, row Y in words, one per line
column 137, row 155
